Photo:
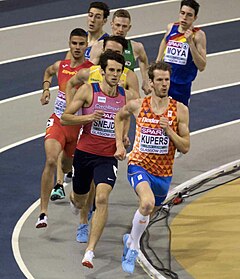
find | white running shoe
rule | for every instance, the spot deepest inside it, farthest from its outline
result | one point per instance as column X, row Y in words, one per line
column 68, row 177
column 42, row 221
column 88, row 259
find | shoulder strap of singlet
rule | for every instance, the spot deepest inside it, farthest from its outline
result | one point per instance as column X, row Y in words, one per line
column 96, row 87
column 121, row 90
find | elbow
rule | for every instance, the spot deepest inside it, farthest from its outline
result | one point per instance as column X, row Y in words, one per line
column 202, row 67
column 185, row 149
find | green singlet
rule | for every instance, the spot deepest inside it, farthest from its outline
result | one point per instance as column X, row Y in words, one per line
column 130, row 61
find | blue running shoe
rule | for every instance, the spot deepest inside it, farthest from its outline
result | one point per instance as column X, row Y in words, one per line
column 128, row 265
column 125, row 248
column 82, row 233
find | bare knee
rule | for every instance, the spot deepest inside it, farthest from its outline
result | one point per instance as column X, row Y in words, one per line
column 51, row 162
column 101, row 200
column 147, row 206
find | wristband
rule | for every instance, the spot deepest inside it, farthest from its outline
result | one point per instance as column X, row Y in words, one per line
column 46, row 81
column 46, row 90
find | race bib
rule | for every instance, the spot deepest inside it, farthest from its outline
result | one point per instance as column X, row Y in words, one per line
column 176, row 52
column 60, row 104
column 105, row 126
column 153, row 141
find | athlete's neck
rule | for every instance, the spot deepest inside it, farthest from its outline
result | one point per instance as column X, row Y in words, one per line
column 159, row 105
column 183, row 30
column 76, row 62
column 108, row 89
column 94, row 36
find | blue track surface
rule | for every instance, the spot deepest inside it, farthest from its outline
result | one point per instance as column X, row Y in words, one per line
column 26, row 11
column 28, row 73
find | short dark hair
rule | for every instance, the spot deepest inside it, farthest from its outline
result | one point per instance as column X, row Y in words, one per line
column 161, row 65
column 78, row 32
column 110, row 55
column 121, row 13
column 118, row 39
column 192, row 4
column 101, row 6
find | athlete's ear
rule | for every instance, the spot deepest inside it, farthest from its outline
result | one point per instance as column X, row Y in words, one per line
column 104, row 21
column 102, row 72
column 130, row 26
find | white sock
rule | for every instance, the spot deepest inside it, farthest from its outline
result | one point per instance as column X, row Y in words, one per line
column 139, row 225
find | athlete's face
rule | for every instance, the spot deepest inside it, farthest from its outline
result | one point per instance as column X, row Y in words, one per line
column 186, row 17
column 114, row 46
column 120, row 26
column 77, row 46
column 95, row 20
column 113, row 72
column 161, row 83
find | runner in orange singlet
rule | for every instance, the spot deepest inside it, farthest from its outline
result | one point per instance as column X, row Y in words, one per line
column 161, row 127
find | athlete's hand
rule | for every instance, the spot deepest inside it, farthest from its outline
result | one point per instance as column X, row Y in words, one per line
column 189, row 35
column 45, row 98
column 97, row 115
column 120, row 153
column 164, row 123
column 146, row 87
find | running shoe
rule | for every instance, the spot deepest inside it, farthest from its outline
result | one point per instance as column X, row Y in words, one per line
column 57, row 193
column 42, row 221
column 128, row 265
column 88, row 259
column 82, row 233
column 68, row 177
column 125, row 248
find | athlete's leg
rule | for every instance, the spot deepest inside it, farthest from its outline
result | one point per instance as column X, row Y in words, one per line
column 52, row 149
column 99, row 218
column 60, row 173
column 84, row 216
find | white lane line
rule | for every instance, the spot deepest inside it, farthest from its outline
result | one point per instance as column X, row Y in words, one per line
column 215, row 88
column 201, row 25
column 56, row 87
column 25, row 95
column 33, row 56
column 130, row 37
column 21, row 142
column 15, row 239
column 83, row 15
column 28, row 212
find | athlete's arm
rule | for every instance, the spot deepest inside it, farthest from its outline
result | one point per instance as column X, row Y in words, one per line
column 163, row 43
column 197, row 44
column 82, row 97
column 132, row 83
column 47, row 79
column 77, row 80
column 96, row 51
column 141, row 55
column 182, row 139
column 122, row 116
